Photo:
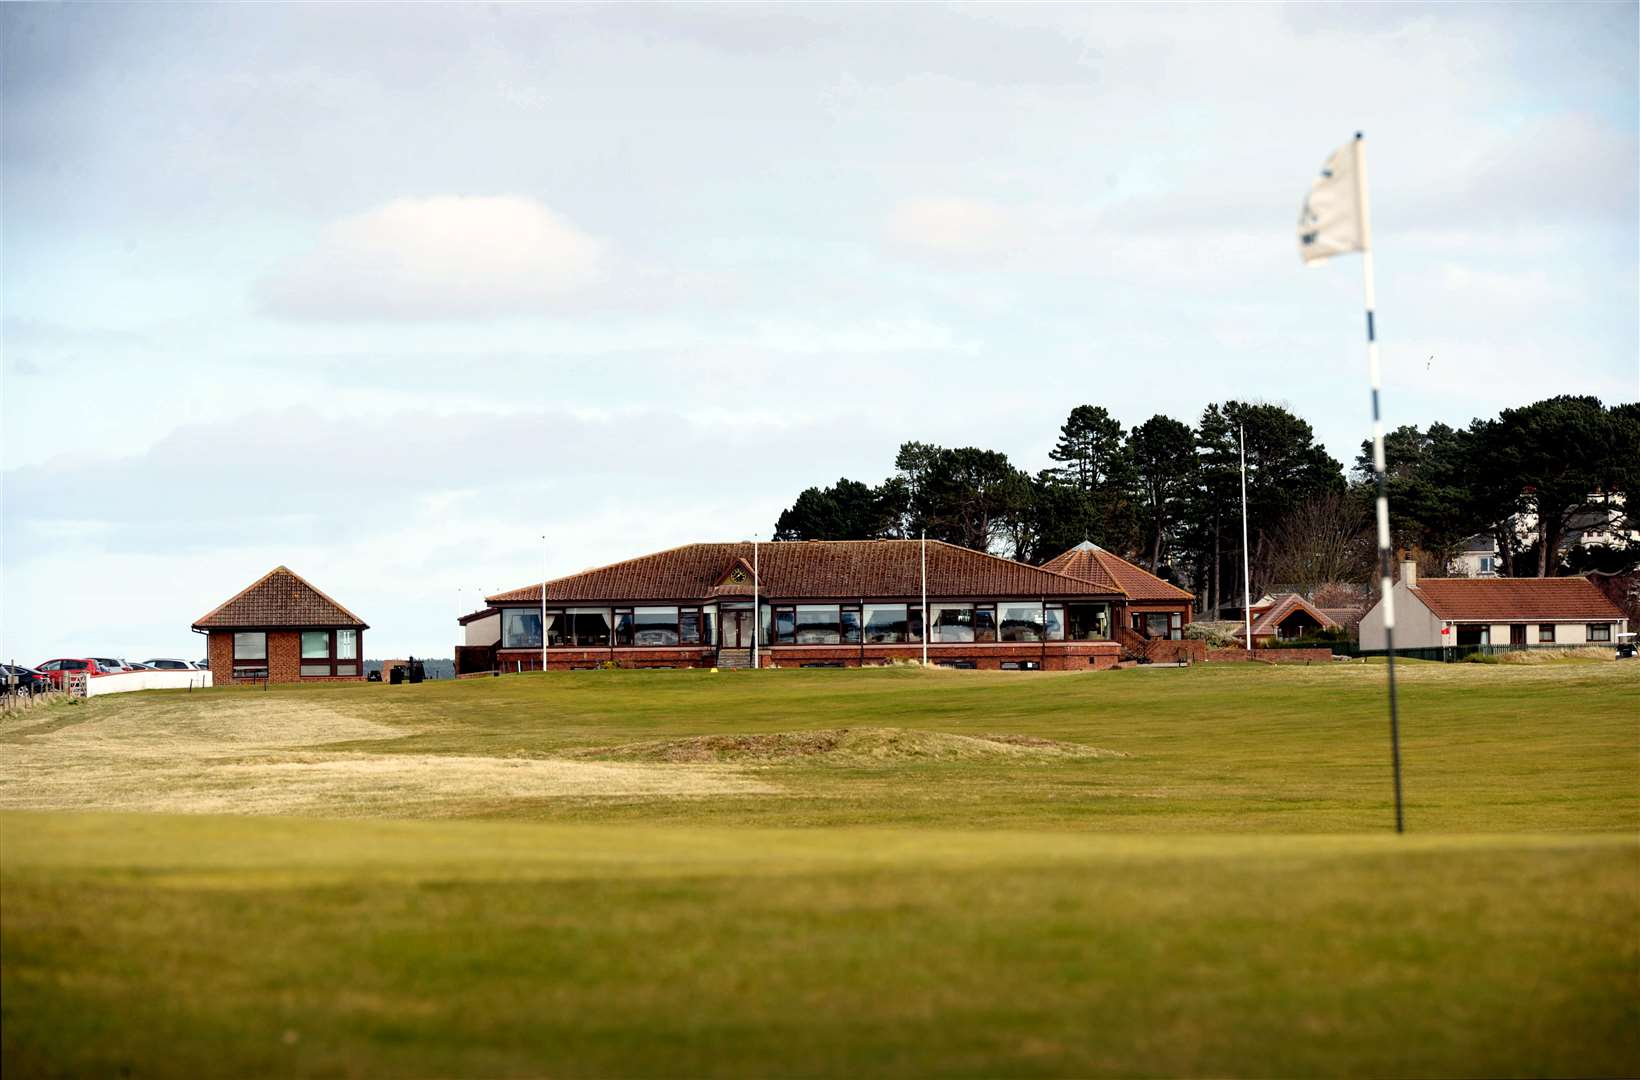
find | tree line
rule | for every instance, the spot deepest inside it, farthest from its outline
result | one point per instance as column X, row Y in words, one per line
column 1167, row 494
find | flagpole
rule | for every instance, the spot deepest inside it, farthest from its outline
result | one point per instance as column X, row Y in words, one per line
column 545, row 574
column 757, row 607
column 925, row 597
column 1246, row 575
column 1386, row 585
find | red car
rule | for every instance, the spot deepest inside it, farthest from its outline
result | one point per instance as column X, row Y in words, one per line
column 58, row 670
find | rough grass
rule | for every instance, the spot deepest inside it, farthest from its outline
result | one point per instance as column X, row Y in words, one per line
column 1182, row 872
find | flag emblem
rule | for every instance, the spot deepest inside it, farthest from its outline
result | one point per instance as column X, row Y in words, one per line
column 1330, row 223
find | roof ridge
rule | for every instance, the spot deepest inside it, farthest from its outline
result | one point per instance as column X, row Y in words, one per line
column 207, row 616
column 1039, row 569
column 259, row 582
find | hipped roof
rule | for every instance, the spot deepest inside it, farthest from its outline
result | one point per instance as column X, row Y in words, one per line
column 809, row 569
column 1092, row 563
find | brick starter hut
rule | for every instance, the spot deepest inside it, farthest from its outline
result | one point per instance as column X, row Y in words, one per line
column 284, row 630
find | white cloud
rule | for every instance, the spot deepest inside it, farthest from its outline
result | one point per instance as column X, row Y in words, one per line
column 444, row 257
column 949, row 226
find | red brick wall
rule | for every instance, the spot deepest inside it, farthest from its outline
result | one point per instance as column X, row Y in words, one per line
column 1274, row 656
column 284, row 659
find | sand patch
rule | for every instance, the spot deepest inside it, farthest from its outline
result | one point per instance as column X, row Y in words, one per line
column 258, row 757
column 846, row 746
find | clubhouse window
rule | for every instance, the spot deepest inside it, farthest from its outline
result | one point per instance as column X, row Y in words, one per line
column 655, row 626
column 250, row 651
column 689, row 626
column 951, row 622
column 985, row 622
column 850, row 626
column 1021, row 620
column 785, row 626
column 623, row 626
column 819, row 624
column 521, row 628
column 892, row 624
column 1088, row 622
column 587, row 628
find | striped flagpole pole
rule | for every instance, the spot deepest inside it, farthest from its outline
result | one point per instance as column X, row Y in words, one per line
column 757, row 605
column 925, row 597
column 1386, row 584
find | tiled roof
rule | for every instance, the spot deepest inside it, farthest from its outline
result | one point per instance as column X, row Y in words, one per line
column 1515, row 599
column 808, row 569
column 280, row 598
column 482, row 613
column 1090, row 562
column 1265, row 622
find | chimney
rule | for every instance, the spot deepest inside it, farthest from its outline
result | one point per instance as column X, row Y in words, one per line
column 1409, row 573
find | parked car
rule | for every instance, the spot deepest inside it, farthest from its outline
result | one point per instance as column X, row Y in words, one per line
column 169, row 665
column 57, row 670
column 203, row 665
column 24, row 680
column 112, row 666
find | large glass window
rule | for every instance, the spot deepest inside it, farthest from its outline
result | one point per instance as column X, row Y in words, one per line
column 850, row 626
column 1088, row 622
column 316, row 646
column 623, row 626
column 1021, row 620
column 1053, row 622
column 985, row 622
column 818, row 624
column 951, row 622
column 347, row 645
column 520, row 628
column 588, row 627
column 656, row 626
column 252, row 645
column 708, row 626
column 889, row 624
column 689, row 626
column 785, row 626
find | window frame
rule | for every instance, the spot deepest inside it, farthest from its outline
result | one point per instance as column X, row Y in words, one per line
column 1605, row 633
column 1546, row 634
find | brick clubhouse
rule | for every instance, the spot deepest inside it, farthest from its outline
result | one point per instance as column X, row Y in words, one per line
column 834, row 603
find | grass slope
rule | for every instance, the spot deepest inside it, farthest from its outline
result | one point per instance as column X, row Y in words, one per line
column 921, row 900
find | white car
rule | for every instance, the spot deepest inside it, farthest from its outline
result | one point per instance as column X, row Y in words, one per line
column 170, row 665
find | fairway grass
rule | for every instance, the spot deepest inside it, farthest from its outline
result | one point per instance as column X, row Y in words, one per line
column 1171, row 872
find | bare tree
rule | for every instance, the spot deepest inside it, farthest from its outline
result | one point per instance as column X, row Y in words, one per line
column 1326, row 538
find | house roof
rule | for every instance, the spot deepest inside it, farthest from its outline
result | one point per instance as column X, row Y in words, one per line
column 1092, row 563
column 808, row 569
column 1515, row 599
column 1265, row 622
column 279, row 598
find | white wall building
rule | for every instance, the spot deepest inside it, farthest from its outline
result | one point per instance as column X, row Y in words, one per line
column 1450, row 612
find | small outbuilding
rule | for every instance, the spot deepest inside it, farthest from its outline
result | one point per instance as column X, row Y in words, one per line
column 1473, row 613
column 1285, row 617
column 282, row 629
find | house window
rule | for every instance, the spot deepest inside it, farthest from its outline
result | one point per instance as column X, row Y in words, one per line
column 1546, row 634
column 250, row 646
column 1021, row 620
column 819, row 624
column 1599, row 631
column 850, row 627
column 1488, row 564
column 316, row 645
column 951, row 622
column 520, row 629
column 654, row 626
column 347, row 645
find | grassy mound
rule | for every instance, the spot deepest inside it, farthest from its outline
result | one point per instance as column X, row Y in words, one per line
column 846, row 746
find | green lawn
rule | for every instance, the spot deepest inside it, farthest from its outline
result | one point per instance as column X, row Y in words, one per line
column 1216, row 894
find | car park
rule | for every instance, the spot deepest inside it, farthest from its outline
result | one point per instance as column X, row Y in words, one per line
column 59, row 669
column 23, row 680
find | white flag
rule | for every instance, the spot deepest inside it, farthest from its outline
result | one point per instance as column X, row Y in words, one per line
column 1330, row 223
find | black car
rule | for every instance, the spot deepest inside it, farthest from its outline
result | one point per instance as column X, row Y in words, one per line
column 23, row 680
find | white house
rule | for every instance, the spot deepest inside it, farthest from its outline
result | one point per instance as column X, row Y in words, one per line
column 1494, row 611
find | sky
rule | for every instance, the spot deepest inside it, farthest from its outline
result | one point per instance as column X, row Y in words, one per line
column 425, row 302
